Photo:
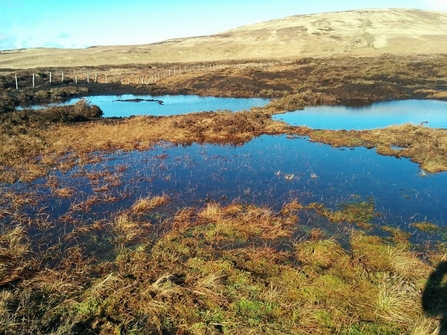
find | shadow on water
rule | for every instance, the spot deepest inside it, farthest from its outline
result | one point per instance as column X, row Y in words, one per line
column 434, row 297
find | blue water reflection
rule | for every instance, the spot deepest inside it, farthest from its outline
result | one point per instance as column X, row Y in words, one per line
column 431, row 113
column 117, row 106
column 269, row 170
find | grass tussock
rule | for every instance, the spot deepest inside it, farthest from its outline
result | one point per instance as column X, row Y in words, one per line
column 222, row 269
column 145, row 204
column 15, row 252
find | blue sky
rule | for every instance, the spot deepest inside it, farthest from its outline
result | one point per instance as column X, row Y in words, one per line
column 83, row 23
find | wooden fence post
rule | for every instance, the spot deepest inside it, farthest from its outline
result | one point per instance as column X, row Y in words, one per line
column 96, row 77
column 33, row 81
column 50, row 78
column 106, row 80
column 76, row 79
column 17, row 84
column 88, row 78
column 62, row 77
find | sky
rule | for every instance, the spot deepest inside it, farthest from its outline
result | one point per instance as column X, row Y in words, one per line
column 84, row 23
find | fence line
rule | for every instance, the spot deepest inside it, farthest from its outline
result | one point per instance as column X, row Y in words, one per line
column 151, row 76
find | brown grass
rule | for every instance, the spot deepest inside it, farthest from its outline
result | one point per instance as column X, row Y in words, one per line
column 422, row 145
column 232, row 269
column 15, row 249
column 30, row 145
column 145, row 204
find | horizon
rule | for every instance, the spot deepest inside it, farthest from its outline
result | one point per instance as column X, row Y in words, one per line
column 84, row 24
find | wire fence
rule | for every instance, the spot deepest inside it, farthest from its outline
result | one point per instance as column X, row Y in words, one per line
column 148, row 76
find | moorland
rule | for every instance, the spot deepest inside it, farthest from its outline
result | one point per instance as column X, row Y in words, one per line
column 216, row 268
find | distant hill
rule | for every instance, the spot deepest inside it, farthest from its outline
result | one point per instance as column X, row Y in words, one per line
column 361, row 32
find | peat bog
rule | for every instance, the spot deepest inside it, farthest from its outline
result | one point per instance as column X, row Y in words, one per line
column 223, row 222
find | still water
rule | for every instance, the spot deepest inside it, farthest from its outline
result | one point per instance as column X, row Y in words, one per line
column 128, row 104
column 269, row 170
column 431, row 113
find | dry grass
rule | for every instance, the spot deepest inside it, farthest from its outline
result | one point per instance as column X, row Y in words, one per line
column 15, row 249
column 422, row 145
column 425, row 146
column 360, row 32
column 76, row 143
column 65, row 192
column 31, row 146
column 145, row 204
column 217, row 269
column 231, row 269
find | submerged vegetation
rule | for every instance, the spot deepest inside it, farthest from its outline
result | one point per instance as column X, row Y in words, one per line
column 360, row 213
column 30, row 148
column 212, row 268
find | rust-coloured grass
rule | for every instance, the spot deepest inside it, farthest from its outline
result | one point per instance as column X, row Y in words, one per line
column 232, row 269
column 217, row 269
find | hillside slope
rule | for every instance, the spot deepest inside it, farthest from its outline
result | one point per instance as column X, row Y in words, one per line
column 361, row 32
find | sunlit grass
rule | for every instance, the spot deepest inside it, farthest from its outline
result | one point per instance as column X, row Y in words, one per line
column 234, row 269
column 221, row 268
column 145, row 204
column 15, row 248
